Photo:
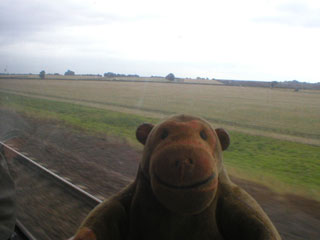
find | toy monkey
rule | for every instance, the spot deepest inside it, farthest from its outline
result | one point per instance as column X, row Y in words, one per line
column 181, row 191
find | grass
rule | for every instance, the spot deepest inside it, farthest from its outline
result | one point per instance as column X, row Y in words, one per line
column 89, row 119
column 258, row 110
column 283, row 165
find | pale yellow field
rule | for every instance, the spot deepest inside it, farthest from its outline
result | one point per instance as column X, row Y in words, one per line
column 84, row 77
column 280, row 113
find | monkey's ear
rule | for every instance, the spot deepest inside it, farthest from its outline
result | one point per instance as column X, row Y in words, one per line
column 143, row 131
column 223, row 138
column 84, row 234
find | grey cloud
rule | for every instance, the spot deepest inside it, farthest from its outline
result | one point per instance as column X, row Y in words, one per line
column 19, row 17
column 294, row 14
column 37, row 20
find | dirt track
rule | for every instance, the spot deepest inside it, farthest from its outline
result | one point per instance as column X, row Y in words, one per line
column 103, row 166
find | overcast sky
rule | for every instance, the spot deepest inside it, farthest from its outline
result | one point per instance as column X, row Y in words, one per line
column 231, row 39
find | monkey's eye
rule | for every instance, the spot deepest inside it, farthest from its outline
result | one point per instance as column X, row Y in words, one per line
column 164, row 134
column 203, row 135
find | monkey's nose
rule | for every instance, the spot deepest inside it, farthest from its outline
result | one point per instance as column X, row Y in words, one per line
column 183, row 168
column 185, row 162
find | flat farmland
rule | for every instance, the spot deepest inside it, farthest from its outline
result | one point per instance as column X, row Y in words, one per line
column 279, row 113
column 284, row 166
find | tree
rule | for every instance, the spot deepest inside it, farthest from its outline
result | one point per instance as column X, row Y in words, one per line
column 170, row 77
column 42, row 74
column 109, row 74
column 273, row 84
column 69, row 73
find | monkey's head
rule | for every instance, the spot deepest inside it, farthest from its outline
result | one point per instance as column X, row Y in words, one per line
column 182, row 160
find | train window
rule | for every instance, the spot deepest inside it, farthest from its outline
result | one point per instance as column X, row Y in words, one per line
column 78, row 78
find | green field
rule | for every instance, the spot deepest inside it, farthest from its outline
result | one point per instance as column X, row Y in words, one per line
column 282, row 165
column 278, row 113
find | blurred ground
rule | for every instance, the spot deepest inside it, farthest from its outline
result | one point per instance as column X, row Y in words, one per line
column 102, row 166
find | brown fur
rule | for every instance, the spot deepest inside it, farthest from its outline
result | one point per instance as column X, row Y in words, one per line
column 181, row 191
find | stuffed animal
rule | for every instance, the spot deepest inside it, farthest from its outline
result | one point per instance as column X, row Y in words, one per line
column 181, row 191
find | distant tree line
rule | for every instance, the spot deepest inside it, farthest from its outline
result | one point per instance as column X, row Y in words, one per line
column 294, row 84
column 111, row 74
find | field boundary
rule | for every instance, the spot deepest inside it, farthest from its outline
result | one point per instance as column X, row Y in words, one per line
column 216, row 81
